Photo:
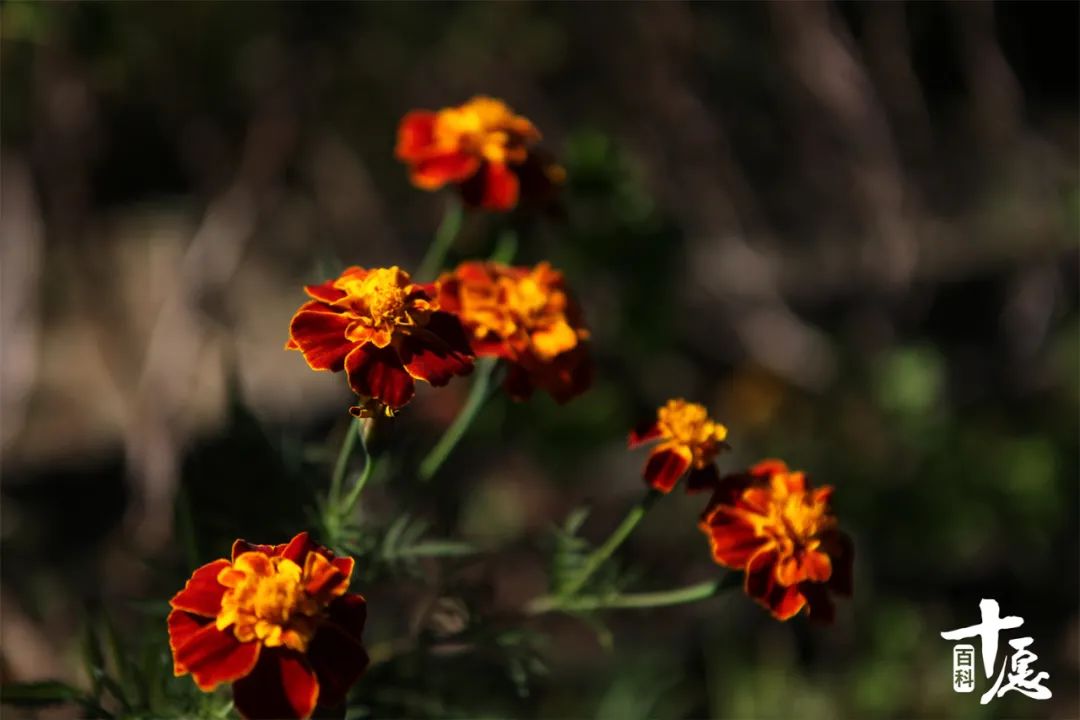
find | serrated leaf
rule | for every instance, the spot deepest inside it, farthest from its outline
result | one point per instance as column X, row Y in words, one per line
column 575, row 519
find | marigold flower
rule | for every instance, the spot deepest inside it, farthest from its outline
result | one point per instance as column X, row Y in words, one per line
column 689, row 441
column 483, row 148
column 277, row 622
column 384, row 331
column 770, row 523
column 525, row 316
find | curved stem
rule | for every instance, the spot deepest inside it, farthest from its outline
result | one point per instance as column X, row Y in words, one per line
column 349, row 505
column 678, row 596
column 442, row 242
column 602, row 553
column 477, row 395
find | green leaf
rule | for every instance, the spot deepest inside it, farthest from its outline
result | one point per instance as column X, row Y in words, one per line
column 576, row 519
column 439, row 548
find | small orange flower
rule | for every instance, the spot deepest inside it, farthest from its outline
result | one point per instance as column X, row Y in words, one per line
column 482, row 147
column 525, row 316
column 770, row 523
column 278, row 622
column 689, row 441
column 384, row 331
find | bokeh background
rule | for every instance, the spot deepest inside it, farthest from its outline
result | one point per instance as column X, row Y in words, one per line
column 849, row 229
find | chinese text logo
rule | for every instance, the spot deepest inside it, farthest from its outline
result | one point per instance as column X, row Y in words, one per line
column 1021, row 676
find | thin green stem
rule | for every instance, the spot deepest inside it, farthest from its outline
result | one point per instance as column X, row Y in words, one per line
column 505, row 246
column 341, row 465
column 678, row 596
column 599, row 556
column 358, row 487
column 478, row 394
column 442, row 242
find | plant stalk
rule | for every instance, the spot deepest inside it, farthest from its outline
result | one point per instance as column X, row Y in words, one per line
column 678, row 596
column 599, row 556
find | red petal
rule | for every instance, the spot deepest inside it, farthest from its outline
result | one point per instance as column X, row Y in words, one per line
column 500, row 189
column 769, row 467
column 438, row 352
column 378, row 373
column 643, row 433
column 567, row 375
column 242, row 546
column 215, row 656
column 182, row 627
column 415, row 136
column 448, row 293
column 760, row 584
column 319, row 333
column 202, row 593
column 733, row 542
column 324, row 577
column 349, row 612
column 282, row 685
column 437, row 170
column 336, row 653
column 298, row 548
column 345, row 565
column 325, row 292
column 665, row 467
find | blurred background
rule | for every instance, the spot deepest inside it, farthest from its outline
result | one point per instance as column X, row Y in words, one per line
column 848, row 228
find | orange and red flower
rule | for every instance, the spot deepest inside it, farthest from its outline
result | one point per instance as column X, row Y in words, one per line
column 483, row 148
column 689, row 441
column 770, row 523
column 384, row 331
column 276, row 621
column 525, row 316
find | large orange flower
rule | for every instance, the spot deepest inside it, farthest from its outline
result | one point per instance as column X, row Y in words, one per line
column 276, row 621
column 483, row 148
column 770, row 523
column 689, row 441
column 385, row 331
column 525, row 316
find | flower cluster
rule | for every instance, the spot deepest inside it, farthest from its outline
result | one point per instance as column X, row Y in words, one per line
column 386, row 332
column 483, row 148
column 767, row 522
column 276, row 621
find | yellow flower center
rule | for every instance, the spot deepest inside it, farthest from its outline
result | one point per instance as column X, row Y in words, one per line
column 266, row 601
column 486, row 127
column 794, row 519
column 689, row 425
column 379, row 301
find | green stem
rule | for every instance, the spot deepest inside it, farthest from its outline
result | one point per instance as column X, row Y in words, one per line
column 358, row 487
column 443, row 241
column 602, row 553
column 356, row 427
column 679, row 596
column 478, row 393
column 505, row 246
